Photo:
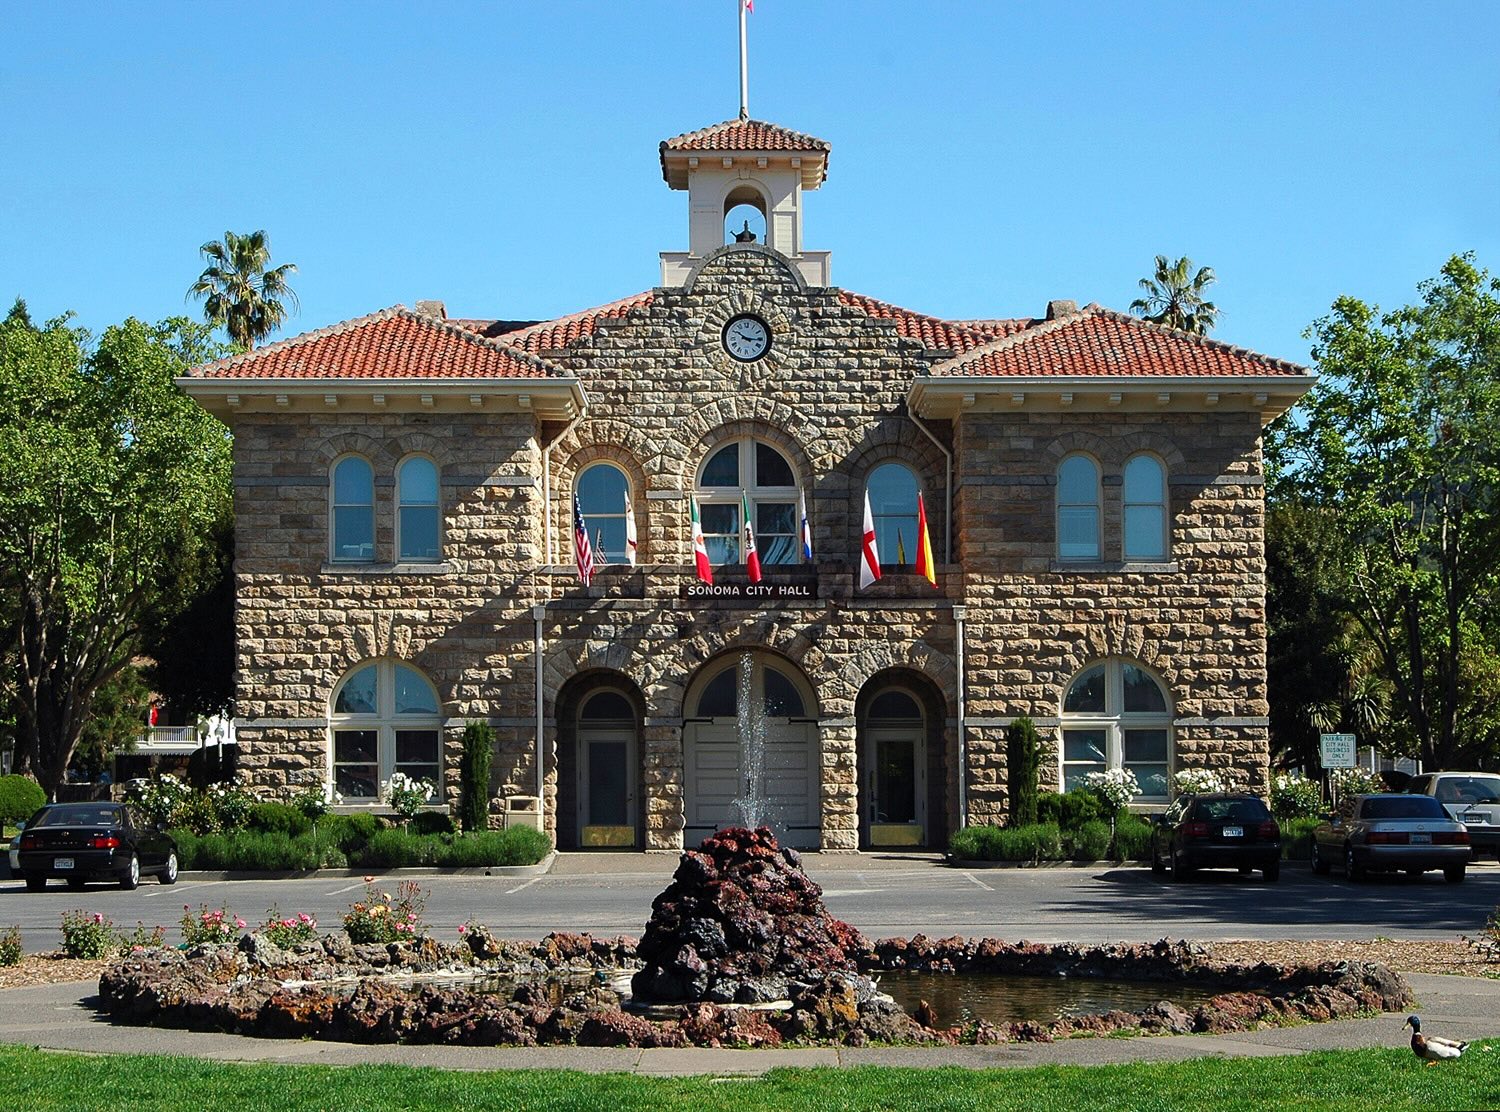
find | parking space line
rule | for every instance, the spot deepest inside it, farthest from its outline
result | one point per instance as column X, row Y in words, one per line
column 520, row 887
column 976, row 880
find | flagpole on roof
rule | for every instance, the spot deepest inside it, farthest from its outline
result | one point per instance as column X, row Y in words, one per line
column 744, row 65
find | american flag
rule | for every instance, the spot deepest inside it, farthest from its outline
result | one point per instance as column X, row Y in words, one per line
column 582, row 553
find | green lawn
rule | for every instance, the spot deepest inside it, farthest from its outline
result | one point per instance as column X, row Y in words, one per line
column 1363, row 1079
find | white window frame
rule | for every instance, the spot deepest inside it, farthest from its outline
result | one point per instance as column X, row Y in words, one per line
column 617, row 514
column 385, row 722
column 1097, row 505
column 402, row 504
column 755, row 495
column 1164, row 550
column 334, row 555
column 1115, row 721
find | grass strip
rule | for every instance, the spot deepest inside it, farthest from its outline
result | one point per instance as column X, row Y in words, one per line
column 1360, row 1079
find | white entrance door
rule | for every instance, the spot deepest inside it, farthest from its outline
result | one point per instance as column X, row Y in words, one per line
column 715, row 780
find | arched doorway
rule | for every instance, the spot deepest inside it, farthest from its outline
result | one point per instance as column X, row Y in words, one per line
column 901, row 766
column 718, row 765
column 599, row 764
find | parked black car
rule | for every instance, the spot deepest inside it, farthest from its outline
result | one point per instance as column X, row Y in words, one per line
column 1219, row 829
column 80, row 842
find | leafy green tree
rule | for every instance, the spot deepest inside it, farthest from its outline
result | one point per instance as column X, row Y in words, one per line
column 192, row 650
column 116, row 719
column 114, row 478
column 239, row 292
column 1399, row 445
column 1174, row 296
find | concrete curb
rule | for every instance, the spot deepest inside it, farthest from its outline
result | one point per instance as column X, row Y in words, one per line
column 541, row 868
column 963, row 863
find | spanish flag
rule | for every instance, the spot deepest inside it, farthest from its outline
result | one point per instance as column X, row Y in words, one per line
column 926, row 566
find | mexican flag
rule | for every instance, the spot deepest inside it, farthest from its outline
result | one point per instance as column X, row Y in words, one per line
column 700, row 550
column 926, row 565
column 752, row 558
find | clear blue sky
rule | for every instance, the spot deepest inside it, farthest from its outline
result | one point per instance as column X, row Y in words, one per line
column 986, row 156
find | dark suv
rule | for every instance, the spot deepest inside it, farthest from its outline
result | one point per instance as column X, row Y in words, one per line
column 1219, row 829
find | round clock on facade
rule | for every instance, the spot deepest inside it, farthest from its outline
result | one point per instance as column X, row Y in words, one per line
column 746, row 338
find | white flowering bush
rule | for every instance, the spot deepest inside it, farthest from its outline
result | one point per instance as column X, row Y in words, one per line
column 159, row 799
column 1294, row 796
column 1118, row 786
column 406, row 796
column 1195, row 781
column 230, row 804
column 316, row 800
column 1354, row 781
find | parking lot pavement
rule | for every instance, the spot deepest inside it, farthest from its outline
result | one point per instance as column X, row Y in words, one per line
column 881, row 894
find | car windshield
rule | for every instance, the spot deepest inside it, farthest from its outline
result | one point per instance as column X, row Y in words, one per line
column 1231, row 810
column 1403, row 807
column 1468, row 789
column 78, row 814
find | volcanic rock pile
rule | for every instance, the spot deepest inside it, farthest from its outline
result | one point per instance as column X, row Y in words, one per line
column 741, row 923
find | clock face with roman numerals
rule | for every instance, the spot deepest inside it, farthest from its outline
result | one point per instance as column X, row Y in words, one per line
column 746, row 338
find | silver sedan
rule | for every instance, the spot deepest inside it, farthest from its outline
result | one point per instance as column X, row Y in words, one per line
column 1388, row 832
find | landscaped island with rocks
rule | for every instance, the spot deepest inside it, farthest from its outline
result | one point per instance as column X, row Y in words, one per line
column 739, row 951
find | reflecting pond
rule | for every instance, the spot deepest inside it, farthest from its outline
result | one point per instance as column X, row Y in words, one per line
column 1002, row 998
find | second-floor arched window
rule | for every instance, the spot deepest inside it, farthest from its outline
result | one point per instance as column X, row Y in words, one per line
column 1078, row 509
column 1145, row 509
column 755, row 473
column 893, row 503
column 604, row 499
column 418, row 517
column 352, row 511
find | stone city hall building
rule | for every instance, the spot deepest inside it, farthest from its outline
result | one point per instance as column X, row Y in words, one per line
column 404, row 494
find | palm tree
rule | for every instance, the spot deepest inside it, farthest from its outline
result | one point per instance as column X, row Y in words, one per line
column 239, row 292
column 1174, row 296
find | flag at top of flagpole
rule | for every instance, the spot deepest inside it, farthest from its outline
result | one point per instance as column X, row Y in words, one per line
column 583, row 554
column 926, row 566
column 752, row 557
column 700, row 549
column 629, row 531
column 869, row 561
column 806, row 529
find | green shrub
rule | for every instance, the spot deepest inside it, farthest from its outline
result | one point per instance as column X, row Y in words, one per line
column 1132, row 838
column 10, row 946
column 252, row 851
column 349, row 832
column 278, row 818
column 88, row 936
column 518, row 845
column 1070, row 810
column 1296, row 838
column 430, row 822
column 1090, row 842
column 1294, row 797
column 397, row 848
column 20, row 798
column 1039, row 842
column 474, row 776
column 213, row 926
column 1023, row 759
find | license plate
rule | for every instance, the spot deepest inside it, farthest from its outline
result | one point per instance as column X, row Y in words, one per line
column 62, row 862
column 1234, row 832
column 1478, row 817
column 1421, row 839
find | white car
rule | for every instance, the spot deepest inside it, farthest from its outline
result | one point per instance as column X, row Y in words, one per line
column 1473, row 798
column 15, row 855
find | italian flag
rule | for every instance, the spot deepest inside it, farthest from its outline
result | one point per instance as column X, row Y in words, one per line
column 926, row 566
column 700, row 550
column 752, row 558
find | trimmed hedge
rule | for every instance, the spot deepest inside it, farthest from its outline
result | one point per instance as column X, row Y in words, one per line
column 20, row 798
column 1296, row 838
column 1037, row 842
column 338, row 842
column 1070, row 810
column 278, row 818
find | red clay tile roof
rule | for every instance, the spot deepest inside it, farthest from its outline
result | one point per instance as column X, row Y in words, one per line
column 1102, row 342
column 935, row 333
column 391, row 344
column 745, row 135
column 548, row 335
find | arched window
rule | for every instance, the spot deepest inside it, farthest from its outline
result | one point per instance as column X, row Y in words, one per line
column 604, row 498
column 1115, row 714
column 781, row 695
column 352, row 511
column 1145, row 509
column 1078, row 509
column 763, row 476
column 744, row 214
column 418, row 521
column 893, row 503
column 385, row 719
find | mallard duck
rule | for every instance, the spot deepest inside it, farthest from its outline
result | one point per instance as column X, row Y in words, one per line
column 1430, row 1047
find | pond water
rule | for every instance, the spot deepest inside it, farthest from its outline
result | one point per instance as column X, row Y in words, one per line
column 1001, row 998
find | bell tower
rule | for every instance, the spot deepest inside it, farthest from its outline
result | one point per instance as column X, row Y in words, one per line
column 744, row 162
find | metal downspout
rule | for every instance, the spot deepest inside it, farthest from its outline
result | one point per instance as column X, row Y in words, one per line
column 947, row 487
column 959, row 614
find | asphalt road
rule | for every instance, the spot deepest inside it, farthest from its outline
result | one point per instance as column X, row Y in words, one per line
column 880, row 895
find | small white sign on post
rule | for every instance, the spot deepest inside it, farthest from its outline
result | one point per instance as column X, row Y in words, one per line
column 1336, row 750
